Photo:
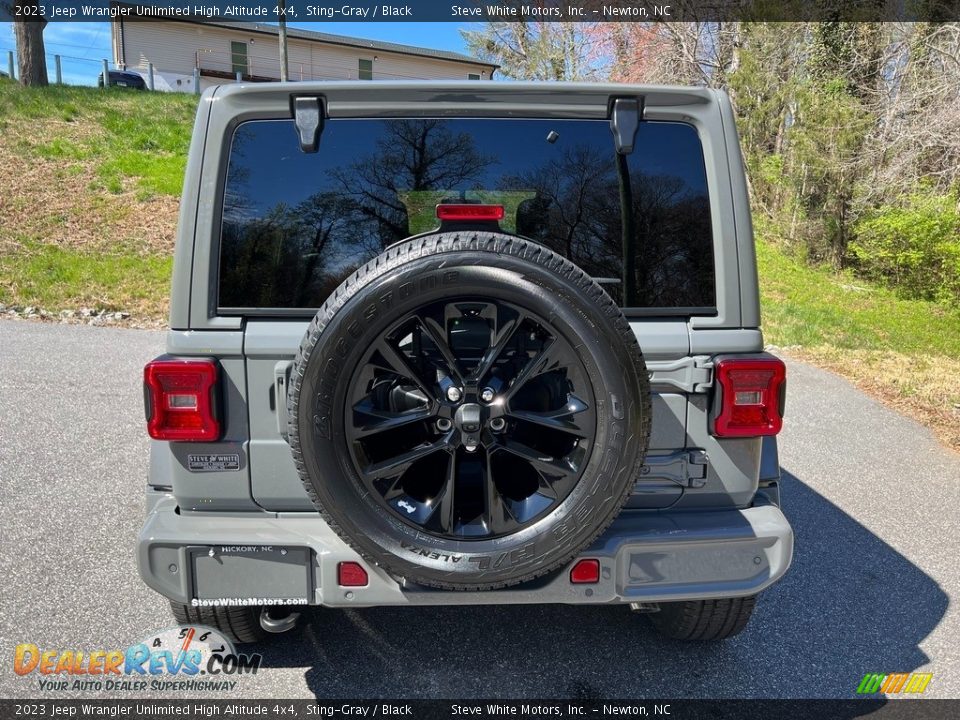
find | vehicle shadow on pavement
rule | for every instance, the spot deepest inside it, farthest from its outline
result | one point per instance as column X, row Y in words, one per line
column 850, row 604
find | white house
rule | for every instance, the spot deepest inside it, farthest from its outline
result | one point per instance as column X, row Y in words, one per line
column 221, row 50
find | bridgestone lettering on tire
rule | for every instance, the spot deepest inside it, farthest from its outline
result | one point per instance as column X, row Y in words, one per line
column 469, row 411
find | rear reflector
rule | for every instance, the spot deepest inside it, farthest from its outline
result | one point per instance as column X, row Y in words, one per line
column 470, row 212
column 585, row 572
column 750, row 401
column 351, row 574
column 180, row 397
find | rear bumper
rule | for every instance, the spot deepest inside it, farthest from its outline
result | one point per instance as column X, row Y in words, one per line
column 644, row 557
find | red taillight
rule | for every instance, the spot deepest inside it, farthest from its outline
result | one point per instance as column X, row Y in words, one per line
column 470, row 212
column 180, row 400
column 751, row 397
column 351, row 574
column 585, row 572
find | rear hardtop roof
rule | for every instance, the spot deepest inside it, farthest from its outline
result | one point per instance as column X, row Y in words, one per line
column 588, row 98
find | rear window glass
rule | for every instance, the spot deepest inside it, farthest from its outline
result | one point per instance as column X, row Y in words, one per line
column 296, row 224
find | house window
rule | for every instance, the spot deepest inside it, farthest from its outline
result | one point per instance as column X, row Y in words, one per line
column 366, row 69
column 473, row 76
column 238, row 58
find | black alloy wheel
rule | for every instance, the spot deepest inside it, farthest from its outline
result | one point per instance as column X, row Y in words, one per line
column 470, row 418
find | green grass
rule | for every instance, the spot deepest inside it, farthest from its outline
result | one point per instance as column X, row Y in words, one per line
column 117, row 141
column 810, row 307
column 52, row 277
column 155, row 173
column 128, row 135
column 906, row 352
column 62, row 149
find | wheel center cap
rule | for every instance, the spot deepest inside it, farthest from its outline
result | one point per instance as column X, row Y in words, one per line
column 467, row 418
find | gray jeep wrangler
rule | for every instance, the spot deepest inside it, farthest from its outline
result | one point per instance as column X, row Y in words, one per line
column 454, row 343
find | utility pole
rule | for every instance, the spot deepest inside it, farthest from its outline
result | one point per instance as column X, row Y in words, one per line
column 282, row 9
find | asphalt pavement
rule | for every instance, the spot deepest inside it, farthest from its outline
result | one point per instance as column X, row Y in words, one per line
column 874, row 499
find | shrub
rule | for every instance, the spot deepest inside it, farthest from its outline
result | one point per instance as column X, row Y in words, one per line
column 915, row 248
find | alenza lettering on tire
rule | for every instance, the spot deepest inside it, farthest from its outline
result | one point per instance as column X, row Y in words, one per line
column 431, row 554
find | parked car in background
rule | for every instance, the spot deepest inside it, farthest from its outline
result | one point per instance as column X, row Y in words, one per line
column 124, row 78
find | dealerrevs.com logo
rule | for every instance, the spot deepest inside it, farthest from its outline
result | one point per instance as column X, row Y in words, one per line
column 185, row 658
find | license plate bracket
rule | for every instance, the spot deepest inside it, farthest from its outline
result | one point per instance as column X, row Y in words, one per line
column 251, row 573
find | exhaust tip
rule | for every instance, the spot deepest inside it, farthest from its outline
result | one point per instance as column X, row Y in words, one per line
column 277, row 625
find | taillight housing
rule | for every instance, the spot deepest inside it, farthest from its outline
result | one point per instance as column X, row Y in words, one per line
column 750, row 394
column 180, row 397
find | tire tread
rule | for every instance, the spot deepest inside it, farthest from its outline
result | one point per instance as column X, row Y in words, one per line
column 238, row 624
column 704, row 619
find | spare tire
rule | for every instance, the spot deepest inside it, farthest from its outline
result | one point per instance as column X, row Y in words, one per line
column 469, row 410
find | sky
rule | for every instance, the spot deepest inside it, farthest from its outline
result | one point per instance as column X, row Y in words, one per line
column 83, row 45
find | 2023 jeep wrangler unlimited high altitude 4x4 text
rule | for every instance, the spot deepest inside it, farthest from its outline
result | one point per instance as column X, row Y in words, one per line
column 404, row 360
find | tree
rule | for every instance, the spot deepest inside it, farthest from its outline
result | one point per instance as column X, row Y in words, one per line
column 539, row 50
column 685, row 53
column 826, row 166
column 765, row 88
column 917, row 143
column 412, row 156
column 30, row 51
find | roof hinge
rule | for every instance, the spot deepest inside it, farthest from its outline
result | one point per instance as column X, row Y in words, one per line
column 308, row 114
column 625, row 117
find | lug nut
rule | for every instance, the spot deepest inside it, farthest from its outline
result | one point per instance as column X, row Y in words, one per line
column 498, row 424
column 443, row 424
column 470, row 448
column 454, row 394
column 487, row 395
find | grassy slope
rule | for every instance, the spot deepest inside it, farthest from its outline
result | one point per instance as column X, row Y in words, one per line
column 91, row 180
column 91, row 216
column 906, row 352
